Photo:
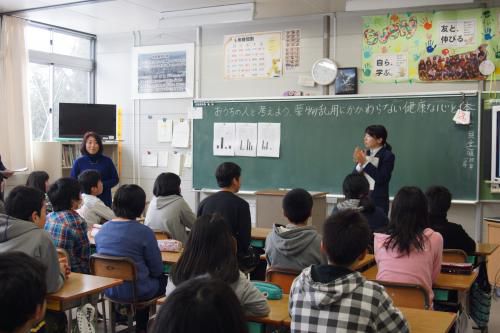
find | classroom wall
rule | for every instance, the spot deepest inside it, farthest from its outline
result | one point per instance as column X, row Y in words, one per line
column 113, row 85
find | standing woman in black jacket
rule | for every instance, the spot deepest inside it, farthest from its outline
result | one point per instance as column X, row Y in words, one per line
column 376, row 164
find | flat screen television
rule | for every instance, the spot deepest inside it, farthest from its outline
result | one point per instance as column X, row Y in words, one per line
column 75, row 119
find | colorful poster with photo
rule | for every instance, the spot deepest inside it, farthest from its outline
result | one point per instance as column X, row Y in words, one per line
column 430, row 46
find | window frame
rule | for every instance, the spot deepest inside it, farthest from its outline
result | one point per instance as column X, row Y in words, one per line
column 54, row 60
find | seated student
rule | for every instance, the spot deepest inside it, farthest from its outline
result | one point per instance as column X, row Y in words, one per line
column 297, row 245
column 201, row 305
column 454, row 236
column 2, row 207
column 66, row 227
column 93, row 210
column 357, row 196
column 23, row 290
column 22, row 230
column 211, row 250
column 123, row 236
column 410, row 252
column 168, row 211
column 40, row 181
column 336, row 298
column 234, row 210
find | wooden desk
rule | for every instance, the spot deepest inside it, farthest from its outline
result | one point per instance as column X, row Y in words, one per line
column 485, row 249
column 364, row 264
column 260, row 233
column 277, row 316
column 170, row 257
column 457, row 282
column 420, row 321
column 77, row 288
column 428, row 321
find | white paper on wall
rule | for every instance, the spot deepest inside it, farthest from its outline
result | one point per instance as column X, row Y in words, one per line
column 188, row 160
column 164, row 130
column 162, row 159
column 149, row 159
column 175, row 162
column 180, row 137
column 269, row 139
column 224, row 134
column 195, row 113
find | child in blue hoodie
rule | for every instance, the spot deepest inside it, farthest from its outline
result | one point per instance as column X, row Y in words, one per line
column 296, row 245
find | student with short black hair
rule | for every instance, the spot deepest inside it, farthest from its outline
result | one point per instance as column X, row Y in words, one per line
column 296, row 245
column 66, row 227
column 234, row 210
column 22, row 230
column 211, row 250
column 124, row 236
column 168, row 211
column 93, row 210
column 357, row 196
column 335, row 297
column 454, row 235
column 40, row 181
column 201, row 305
column 23, row 289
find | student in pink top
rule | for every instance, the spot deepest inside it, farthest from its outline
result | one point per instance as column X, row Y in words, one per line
column 409, row 251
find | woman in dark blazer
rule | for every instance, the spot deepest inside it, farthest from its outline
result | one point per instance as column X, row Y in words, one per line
column 376, row 163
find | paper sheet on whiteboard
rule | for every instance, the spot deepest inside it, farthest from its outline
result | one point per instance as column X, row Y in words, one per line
column 224, row 134
column 245, row 139
column 269, row 136
column 164, row 130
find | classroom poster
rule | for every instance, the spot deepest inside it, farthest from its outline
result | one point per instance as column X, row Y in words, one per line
column 292, row 49
column 430, row 46
column 163, row 71
column 252, row 55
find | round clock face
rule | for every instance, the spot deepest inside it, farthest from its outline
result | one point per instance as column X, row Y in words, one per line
column 324, row 71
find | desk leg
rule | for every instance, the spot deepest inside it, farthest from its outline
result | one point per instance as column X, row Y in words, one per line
column 70, row 320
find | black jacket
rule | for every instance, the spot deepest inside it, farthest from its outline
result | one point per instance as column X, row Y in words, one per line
column 454, row 236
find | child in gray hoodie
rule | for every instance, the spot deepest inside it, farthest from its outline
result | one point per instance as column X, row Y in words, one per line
column 296, row 245
column 168, row 211
column 22, row 230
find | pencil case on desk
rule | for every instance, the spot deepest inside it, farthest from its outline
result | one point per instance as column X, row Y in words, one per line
column 456, row 268
column 270, row 290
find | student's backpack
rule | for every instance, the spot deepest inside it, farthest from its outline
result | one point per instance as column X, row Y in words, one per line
column 480, row 298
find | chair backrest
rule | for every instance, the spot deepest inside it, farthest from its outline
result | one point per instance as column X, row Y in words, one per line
column 115, row 267
column 454, row 255
column 62, row 253
column 407, row 295
column 282, row 277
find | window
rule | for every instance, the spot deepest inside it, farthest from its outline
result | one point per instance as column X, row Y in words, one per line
column 61, row 70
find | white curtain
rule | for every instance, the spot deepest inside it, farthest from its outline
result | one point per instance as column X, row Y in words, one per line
column 15, row 129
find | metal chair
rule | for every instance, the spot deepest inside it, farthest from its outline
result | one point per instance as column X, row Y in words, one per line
column 283, row 277
column 120, row 268
column 407, row 295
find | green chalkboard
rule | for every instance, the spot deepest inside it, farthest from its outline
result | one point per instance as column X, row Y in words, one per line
column 318, row 136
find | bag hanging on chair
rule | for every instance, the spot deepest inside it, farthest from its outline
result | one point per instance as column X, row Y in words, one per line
column 480, row 298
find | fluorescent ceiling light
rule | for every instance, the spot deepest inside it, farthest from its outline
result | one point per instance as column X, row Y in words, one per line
column 364, row 5
column 208, row 15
